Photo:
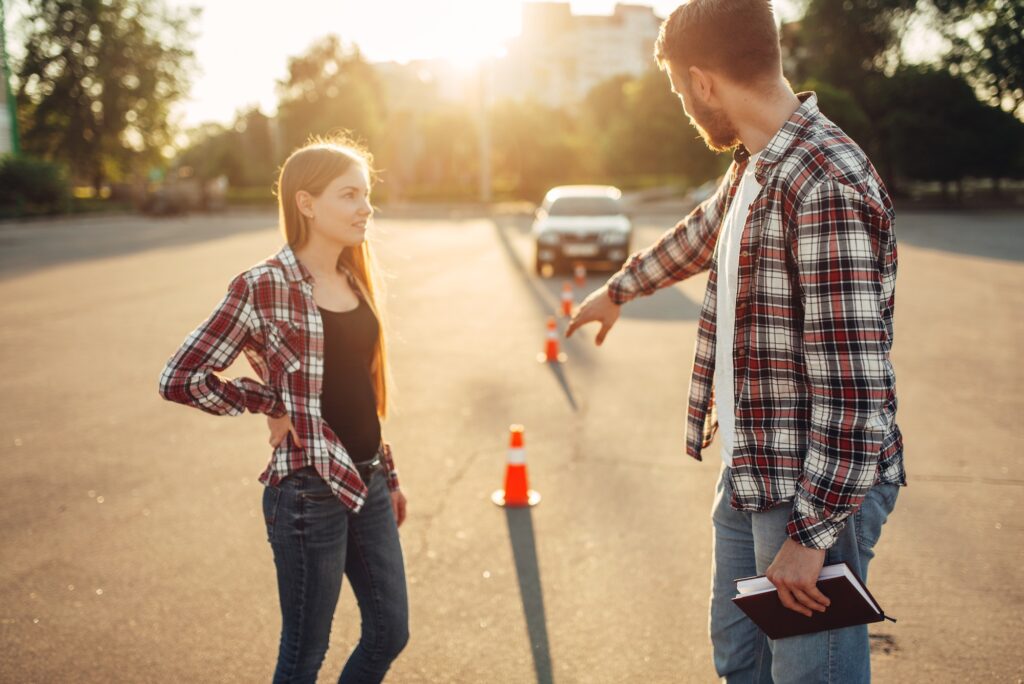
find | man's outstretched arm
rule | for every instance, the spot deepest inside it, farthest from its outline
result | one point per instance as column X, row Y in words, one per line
column 683, row 251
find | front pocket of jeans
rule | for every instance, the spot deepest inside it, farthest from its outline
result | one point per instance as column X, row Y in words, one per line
column 271, row 497
column 318, row 496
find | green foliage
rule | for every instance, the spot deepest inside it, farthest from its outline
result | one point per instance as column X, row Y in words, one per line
column 534, row 147
column 845, row 39
column 639, row 127
column 329, row 89
column 32, row 186
column 243, row 152
column 97, row 82
column 987, row 38
column 842, row 108
column 932, row 127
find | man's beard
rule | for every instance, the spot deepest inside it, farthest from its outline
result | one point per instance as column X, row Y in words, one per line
column 713, row 125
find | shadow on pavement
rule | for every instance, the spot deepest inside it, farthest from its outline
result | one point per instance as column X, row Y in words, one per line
column 994, row 235
column 32, row 245
column 668, row 304
column 524, row 551
column 559, row 373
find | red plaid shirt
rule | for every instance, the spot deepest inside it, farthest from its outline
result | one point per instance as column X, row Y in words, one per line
column 814, row 384
column 269, row 315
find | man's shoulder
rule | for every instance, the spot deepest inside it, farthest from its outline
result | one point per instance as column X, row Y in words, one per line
column 826, row 157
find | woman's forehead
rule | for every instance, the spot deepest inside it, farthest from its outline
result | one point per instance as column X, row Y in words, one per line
column 356, row 176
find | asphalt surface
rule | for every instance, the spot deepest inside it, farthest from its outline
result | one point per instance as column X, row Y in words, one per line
column 132, row 542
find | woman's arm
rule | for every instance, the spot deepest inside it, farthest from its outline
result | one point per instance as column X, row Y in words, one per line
column 189, row 376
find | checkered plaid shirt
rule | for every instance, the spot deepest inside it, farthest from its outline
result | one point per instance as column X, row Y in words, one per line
column 814, row 384
column 269, row 315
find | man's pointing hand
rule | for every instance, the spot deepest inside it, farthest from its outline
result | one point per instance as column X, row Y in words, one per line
column 596, row 307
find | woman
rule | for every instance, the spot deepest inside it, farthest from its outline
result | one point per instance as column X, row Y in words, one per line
column 307, row 320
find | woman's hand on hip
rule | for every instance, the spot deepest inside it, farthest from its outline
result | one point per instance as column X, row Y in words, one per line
column 279, row 429
column 398, row 505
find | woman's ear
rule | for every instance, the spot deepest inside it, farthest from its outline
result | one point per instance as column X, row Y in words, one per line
column 304, row 201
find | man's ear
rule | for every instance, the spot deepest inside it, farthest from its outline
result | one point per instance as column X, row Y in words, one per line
column 702, row 85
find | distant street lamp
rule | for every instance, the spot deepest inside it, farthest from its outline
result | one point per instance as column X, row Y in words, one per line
column 486, row 76
column 9, row 142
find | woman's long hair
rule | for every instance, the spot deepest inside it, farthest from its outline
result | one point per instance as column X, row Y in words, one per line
column 311, row 168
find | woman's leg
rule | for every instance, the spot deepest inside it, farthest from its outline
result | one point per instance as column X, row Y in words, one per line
column 307, row 529
column 375, row 568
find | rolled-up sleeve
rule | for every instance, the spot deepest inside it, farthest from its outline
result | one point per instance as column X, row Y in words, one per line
column 846, row 352
column 189, row 377
column 683, row 251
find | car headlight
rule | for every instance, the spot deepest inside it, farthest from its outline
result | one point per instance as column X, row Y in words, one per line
column 549, row 238
column 613, row 237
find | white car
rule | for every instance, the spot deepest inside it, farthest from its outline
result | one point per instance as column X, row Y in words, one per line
column 581, row 223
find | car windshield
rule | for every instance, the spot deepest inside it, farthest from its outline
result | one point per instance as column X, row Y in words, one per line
column 584, row 206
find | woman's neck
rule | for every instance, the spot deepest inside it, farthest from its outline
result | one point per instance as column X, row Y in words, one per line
column 319, row 257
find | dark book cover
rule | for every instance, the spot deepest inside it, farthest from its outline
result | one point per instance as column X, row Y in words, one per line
column 848, row 607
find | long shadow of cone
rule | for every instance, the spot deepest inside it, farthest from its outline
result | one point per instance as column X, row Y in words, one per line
column 524, row 550
column 559, row 374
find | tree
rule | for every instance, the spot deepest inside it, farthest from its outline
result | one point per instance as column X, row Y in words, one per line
column 987, row 38
column 639, row 128
column 534, row 147
column 97, row 81
column 329, row 88
column 936, row 129
column 846, row 39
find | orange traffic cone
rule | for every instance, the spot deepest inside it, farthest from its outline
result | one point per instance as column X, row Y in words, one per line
column 581, row 275
column 551, row 354
column 516, row 493
column 567, row 299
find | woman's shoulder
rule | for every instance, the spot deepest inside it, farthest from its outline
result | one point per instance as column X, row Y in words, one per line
column 270, row 272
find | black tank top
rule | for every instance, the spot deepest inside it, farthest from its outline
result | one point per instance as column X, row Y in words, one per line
column 348, row 399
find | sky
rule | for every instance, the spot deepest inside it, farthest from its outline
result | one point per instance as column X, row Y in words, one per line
column 230, row 79
column 385, row 30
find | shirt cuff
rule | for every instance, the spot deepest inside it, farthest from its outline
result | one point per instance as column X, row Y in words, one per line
column 261, row 399
column 623, row 286
column 809, row 529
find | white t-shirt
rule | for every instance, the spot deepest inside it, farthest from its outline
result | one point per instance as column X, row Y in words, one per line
column 728, row 267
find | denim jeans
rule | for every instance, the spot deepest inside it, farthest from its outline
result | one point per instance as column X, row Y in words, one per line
column 745, row 545
column 315, row 540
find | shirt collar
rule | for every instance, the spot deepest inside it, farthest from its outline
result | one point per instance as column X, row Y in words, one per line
column 293, row 268
column 794, row 130
column 295, row 272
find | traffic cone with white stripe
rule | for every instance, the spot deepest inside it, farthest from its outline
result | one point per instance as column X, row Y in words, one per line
column 517, row 492
column 567, row 299
column 581, row 274
column 551, row 353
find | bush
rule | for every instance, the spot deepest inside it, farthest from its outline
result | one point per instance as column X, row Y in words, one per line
column 32, row 186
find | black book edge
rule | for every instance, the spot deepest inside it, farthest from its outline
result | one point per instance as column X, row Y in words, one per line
column 860, row 582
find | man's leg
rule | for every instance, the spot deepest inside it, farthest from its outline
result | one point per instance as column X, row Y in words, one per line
column 840, row 656
column 740, row 648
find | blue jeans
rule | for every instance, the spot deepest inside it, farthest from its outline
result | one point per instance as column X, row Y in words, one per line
column 745, row 545
column 315, row 540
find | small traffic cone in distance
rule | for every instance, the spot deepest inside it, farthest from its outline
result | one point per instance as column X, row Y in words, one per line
column 581, row 275
column 567, row 299
column 551, row 353
column 517, row 492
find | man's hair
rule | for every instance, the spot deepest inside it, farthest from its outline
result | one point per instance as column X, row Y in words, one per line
column 735, row 37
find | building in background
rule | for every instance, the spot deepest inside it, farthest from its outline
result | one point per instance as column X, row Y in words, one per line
column 560, row 56
column 556, row 60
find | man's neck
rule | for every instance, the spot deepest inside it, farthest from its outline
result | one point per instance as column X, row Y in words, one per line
column 760, row 118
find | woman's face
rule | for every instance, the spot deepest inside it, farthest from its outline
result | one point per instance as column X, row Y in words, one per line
column 342, row 211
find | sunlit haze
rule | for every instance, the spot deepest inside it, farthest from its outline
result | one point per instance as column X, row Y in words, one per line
column 243, row 52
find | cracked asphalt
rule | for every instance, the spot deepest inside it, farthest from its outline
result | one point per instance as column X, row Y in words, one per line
column 133, row 548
